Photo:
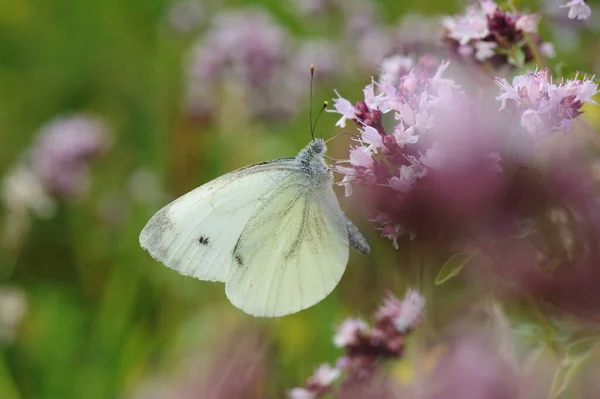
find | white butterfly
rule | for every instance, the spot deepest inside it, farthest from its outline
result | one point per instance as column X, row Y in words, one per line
column 273, row 232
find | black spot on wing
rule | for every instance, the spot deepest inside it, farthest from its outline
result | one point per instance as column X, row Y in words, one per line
column 238, row 259
column 203, row 240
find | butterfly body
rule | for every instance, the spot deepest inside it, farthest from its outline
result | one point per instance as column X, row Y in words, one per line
column 273, row 232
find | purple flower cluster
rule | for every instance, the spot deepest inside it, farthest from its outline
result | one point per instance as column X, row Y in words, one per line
column 366, row 346
column 243, row 47
column 63, row 150
column 246, row 54
column 543, row 106
column 442, row 162
column 55, row 166
column 487, row 33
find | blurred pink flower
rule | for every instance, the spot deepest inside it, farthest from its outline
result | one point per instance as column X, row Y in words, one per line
column 486, row 32
column 473, row 368
column 410, row 312
column 245, row 47
column 365, row 347
column 318, row 384
column 349, row 332
column 527, row 23
column 472, row 25
column 578, row 9
column 62, row 151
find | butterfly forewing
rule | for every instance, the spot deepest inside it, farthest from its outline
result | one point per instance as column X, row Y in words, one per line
column 292, row 252
column 196, row 233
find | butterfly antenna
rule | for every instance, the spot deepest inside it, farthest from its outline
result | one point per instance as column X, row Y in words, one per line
column 341, row 134
column 323, row 108
column 312, row 76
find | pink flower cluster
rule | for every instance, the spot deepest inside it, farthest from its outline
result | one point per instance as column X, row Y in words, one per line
column 542, row 105
column 485, row 32
column 63, row 149
column 432, row 158
column 365, row 346
column 395, row 163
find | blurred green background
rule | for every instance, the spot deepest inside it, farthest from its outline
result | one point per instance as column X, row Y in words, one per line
column 102, row 319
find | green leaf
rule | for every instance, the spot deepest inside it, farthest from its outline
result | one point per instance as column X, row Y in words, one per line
column 452, row 267
column 517, row 58
column 576, row 354
column 581, row 348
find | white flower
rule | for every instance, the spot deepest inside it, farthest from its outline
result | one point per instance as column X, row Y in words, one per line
column 578, row 9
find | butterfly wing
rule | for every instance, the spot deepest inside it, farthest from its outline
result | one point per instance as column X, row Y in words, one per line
column 292, row 252
column 196, row 234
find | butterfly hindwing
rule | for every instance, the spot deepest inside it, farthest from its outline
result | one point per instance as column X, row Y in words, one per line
column 292, row 252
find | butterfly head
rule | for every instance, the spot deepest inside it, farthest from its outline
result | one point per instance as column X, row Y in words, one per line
column 311, row 160
column 317, row 146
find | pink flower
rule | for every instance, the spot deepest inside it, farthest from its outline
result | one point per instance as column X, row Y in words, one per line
column 543, row 105
column 345, row 108
column 411, row 311
column 63, row 150
column 527, row 23
column 531, row 121
column 405, row 136
column 547, row 49
column 578, row 9
column 349, row 331
column 371, row 136
column 361, row 156
column 486, row 30
column 392, row 231
column 525, row 89
column 464, row 28
column 393, row 68
column 325, row 375
column 301, row 393
column 318, row 384
column 484, row 50
column 408, row 176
